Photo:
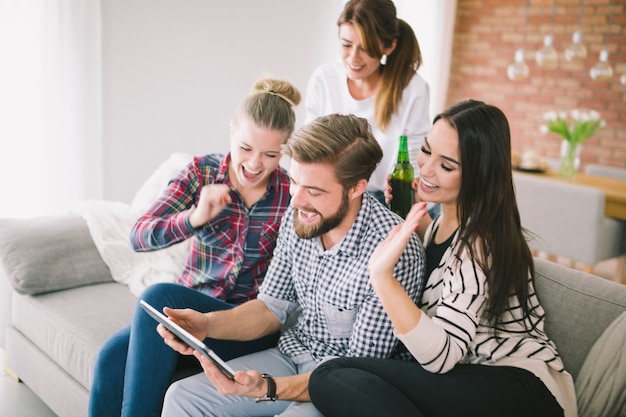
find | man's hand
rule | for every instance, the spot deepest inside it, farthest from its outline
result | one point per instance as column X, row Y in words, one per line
column 193, row 321
column 246, row 384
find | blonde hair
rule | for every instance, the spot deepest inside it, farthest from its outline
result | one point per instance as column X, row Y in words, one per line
column 270, row 105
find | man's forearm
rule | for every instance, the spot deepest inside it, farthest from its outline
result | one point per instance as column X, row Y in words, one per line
column 248, row 321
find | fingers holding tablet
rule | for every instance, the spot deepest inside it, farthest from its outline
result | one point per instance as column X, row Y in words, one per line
column 187, row 338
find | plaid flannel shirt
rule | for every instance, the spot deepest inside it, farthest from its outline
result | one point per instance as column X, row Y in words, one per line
column 228, row 256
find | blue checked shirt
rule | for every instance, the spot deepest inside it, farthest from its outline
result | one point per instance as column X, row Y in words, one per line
column 340, row 312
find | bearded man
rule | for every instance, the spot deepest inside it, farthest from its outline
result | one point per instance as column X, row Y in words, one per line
column 319, row 270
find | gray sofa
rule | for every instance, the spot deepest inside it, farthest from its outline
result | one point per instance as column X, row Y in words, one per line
column 58, row 304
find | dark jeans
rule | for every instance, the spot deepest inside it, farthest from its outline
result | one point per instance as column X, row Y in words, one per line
column 364, row 387
column 134, row 368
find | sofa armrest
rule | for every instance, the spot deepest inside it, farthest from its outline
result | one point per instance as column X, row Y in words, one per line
column 50, row 253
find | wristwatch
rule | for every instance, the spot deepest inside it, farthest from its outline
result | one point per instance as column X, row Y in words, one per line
column 270, row 397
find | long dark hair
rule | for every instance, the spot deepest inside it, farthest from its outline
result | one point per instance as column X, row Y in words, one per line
column 490, row 222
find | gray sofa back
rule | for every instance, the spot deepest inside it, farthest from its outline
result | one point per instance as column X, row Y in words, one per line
column 578, row 306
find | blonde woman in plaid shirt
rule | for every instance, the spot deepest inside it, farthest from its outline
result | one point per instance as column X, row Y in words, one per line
column 230, row 206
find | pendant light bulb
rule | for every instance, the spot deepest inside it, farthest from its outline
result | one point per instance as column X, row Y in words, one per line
column 547, row 54
column 518, row 70
column 622, row 79
column 576, row 51
column 602, row 71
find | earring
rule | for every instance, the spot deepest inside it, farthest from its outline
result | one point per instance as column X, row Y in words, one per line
column 383, row 60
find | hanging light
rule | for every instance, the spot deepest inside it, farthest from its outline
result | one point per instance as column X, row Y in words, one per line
column 603, row 71
column 547, row 55
column 518, row 70
column 577, row 51
column 622, row 79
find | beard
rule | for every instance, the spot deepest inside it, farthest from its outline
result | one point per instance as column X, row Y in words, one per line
column 326, row 224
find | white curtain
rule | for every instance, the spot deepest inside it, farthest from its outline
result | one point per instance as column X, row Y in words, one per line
column 50, row 105
column 433, row 23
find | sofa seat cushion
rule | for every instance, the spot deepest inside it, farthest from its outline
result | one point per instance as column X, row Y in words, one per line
column 72, row 325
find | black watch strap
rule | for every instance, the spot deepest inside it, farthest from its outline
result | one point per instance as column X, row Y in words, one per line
column 271, row 390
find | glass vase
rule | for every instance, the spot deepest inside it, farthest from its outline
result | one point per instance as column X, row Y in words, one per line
column 570, row 159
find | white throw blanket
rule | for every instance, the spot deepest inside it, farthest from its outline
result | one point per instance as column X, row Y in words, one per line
column 110, row 224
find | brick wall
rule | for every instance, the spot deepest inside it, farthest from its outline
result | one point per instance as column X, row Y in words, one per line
column 487, row 33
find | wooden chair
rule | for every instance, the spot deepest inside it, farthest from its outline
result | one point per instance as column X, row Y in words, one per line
column 567, row 220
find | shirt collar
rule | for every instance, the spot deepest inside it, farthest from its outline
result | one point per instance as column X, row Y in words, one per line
column 222, row 171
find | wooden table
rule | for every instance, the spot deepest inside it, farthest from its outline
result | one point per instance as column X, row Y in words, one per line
column 614, row 190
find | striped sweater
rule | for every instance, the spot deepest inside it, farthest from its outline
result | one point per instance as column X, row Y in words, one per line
column 452, row 330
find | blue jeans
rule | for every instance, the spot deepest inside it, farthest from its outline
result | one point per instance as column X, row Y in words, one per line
column 134, row 368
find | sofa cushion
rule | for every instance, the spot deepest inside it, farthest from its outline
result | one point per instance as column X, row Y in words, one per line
column 49, row 253
column 566, row 295
column 71, row 326
column 601, row 383
column 110, row 224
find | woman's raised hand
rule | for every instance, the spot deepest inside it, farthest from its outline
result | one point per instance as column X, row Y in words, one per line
column 387, row 253
column 213, row 199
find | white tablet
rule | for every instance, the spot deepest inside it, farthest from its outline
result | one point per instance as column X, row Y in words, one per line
column 188, row 338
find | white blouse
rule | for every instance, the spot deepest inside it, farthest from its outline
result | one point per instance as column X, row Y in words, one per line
column 327, row 92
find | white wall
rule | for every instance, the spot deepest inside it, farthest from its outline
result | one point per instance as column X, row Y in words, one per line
column 174, row 71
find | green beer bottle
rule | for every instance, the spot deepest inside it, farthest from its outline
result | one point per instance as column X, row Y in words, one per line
column 402, row 181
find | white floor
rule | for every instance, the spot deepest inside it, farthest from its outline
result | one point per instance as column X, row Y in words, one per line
column 17, row 400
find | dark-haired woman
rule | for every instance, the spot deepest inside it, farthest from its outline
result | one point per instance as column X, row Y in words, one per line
column 477, row 336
